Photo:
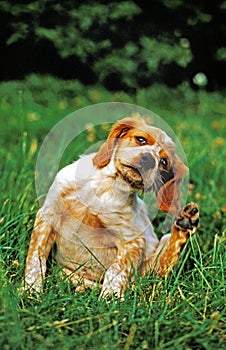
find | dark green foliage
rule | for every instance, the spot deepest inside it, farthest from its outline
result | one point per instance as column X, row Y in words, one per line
column 126, row 44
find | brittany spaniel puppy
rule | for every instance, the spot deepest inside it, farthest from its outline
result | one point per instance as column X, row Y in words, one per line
column 97, row 221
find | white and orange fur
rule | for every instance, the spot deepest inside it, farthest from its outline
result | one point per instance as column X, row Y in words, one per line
column 99, row 224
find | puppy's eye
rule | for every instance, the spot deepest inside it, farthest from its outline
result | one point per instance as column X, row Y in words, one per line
column 141, row 140
column 164, row 162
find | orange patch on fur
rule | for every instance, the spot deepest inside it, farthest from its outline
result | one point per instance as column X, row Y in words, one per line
column 92, row 220
column 163, row 154
column 150, row 140
column 66, row 192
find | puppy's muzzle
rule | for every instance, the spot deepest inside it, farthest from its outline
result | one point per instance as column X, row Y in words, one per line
column 147, row 162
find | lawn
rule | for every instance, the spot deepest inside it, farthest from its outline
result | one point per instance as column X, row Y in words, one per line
column 187, row 311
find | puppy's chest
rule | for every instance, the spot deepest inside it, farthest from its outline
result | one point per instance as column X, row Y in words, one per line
column 91, row 207
column 125, row 223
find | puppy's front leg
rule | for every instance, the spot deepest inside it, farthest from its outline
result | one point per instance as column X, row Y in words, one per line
column 117, row 276
column 42, row 239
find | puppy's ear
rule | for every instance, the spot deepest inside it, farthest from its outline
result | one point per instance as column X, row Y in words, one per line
column 103, row 156
column 118, row 131
column 168, row 195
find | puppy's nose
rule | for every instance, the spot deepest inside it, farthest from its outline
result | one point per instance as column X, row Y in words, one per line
column 147, row 161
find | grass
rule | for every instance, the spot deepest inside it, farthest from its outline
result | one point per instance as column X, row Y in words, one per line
column 187, row 311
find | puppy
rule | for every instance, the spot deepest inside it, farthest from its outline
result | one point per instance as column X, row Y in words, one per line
column 99, row 224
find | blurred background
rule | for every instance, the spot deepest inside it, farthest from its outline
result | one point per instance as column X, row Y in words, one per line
column 122, row 45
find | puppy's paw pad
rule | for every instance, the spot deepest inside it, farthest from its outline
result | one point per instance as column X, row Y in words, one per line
column 184, row 223
column 189, row 218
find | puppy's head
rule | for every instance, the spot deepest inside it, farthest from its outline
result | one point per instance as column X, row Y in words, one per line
column 144, row 157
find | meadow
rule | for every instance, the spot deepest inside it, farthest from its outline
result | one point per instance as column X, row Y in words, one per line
column 186, row 311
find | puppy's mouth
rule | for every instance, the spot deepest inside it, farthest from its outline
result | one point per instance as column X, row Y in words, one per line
column 136, row 177
column 132, row 176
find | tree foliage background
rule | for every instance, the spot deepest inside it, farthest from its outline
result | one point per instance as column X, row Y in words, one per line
column 119, row 44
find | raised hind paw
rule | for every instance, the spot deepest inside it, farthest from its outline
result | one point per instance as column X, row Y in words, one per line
column 189, row 218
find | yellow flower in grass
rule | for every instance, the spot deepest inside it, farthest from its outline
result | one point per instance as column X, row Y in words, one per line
column 219, row 141
column 91, row 132
column 91, row 137
column 77, row 101
column 95, row 96
column 105, row 126
column 63, row 104
column 223, row 208
column 32, row 116
column 191, row 187
column 89, row 127
column 215, row 124
column 198, row 196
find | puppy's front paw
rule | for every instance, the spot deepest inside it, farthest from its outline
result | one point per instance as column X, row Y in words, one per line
column 189, row 218
column 115, row 282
